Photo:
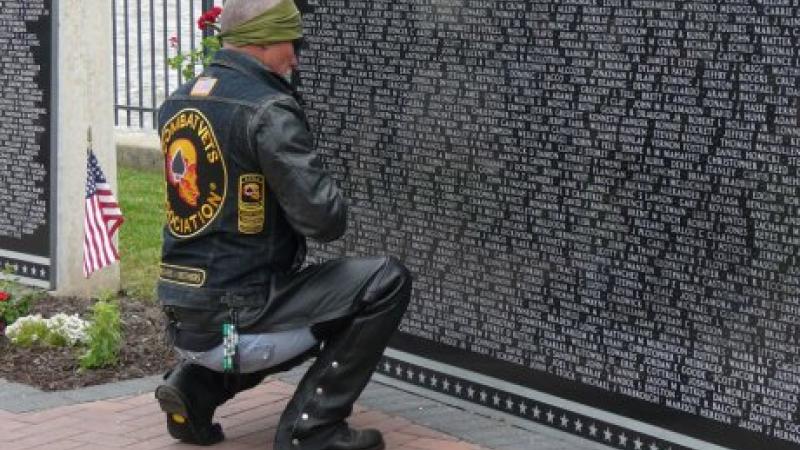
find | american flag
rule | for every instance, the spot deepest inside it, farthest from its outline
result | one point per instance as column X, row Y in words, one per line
column 102, row 219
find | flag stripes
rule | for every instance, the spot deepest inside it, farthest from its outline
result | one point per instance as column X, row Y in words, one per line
column 102, row 218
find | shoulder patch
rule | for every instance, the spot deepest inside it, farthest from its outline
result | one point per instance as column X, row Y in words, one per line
column 194, row 168
column 203, row 86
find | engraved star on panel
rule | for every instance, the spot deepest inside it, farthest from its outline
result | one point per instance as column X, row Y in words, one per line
column 608, row 434
column 398, row 370
column 445, row 385
column 459, row 388
column 434, row 381
column 623, row 440
column 523, row 408
column 550, row 416
column 387, row 367
column 638, row 444
column 410, row 374
column 422, row 378
column 564, row 420
column 578, row 425
column 484, row 395
column 592, row 430
column 509, row 404
column 496, row 400
column 536, row 412
column 653, row 446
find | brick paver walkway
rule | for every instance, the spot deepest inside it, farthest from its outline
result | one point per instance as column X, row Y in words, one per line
column 136, row 423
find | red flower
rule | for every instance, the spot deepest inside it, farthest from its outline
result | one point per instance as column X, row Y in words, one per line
column 173, row 42
column 4, row 296
column 209, row 17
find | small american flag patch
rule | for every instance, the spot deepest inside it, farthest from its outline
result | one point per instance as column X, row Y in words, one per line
column 203, row 86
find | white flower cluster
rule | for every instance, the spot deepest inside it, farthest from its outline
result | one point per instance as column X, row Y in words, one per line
column 71, row 327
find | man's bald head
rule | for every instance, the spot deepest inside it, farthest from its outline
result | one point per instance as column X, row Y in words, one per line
column 237, row 12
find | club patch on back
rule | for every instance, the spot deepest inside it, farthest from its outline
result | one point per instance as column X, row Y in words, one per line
column 203, row 86
column 195, row 173
column 252, row 198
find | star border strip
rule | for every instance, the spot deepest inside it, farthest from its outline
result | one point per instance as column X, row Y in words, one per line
column 538, row 412
column 26, row 269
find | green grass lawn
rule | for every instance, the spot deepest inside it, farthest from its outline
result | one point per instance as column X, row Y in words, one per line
column 141, row 197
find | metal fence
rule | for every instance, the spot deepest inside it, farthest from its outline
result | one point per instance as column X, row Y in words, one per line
column 146, row 33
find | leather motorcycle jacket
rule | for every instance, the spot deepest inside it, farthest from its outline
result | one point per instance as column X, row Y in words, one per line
column 244, row 186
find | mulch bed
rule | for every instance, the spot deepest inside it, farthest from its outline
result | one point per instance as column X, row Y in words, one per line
column 144, row 351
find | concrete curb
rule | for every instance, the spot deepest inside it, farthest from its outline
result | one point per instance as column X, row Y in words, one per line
column 138, row 150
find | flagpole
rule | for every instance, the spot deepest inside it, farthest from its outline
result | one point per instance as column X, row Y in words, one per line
column 89, row 140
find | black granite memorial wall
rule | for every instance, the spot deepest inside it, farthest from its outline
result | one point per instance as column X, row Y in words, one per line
column 26, row 67
column 598, row 198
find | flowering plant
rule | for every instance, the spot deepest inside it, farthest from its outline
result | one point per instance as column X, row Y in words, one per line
column 60, row 330
column 15, row 301
column 187, row 62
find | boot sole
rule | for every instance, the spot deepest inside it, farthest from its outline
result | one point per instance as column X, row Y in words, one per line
column 172, row 402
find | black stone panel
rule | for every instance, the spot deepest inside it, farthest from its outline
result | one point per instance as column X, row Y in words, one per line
column 26, row 67
column 598, row 199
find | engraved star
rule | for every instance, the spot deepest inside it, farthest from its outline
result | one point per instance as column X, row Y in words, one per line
column 653, row 446
column 483, row 396
column 459, row 388
column 398, row 370
column 509, row 404
column 470, row 392
column 434, row 381
column 592, row 430
column 523, row 408
column 550, row 416
column 608, row 434
column 638, row 444
column 410, row 374
column 623, row 440
column 578, row 425
column 564, row 420
column 422, row 378
column 43, row 273
column 24, row 269
column 446, row 385
column 387, row 367
column 537, row 412
column 496, row 400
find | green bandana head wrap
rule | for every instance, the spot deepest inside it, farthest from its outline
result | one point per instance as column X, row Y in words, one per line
column 278, row 24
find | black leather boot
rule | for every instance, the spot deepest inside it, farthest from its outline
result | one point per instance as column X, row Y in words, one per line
column 189, row 397
column 315, row 417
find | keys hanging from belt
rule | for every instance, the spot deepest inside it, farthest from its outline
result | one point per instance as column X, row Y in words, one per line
column 230, row 344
